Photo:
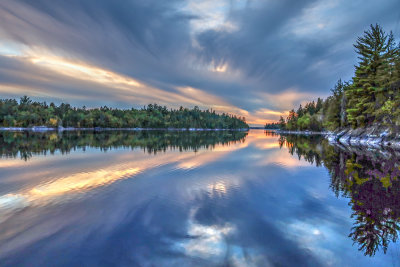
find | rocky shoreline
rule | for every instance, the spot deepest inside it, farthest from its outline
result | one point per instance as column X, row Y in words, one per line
column 368, row 137
column 373, row 137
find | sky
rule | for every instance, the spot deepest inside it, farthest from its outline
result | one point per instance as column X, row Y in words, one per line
column 251, row 58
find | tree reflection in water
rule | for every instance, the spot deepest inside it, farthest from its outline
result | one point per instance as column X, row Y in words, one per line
column 26, row 144
column 369, row 177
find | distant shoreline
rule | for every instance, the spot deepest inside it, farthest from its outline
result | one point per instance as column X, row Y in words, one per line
column 99, row 129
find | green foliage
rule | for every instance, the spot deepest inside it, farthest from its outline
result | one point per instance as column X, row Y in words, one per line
column 372, row 97
column 333, row 107
column 27, row 113
column 304, row 122
column 307, row 118
column 373, row 76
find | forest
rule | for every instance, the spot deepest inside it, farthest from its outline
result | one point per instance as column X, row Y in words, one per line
column 28, row 113
column 370, row 99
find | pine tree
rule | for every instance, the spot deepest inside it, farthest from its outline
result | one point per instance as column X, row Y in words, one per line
column 332, row 111
column 386, row 71
column 300, row 111
column 292, row 120
column 368, row 86
column 395, row 89
column 396, row 73
column 282, row 123
column 318, row 106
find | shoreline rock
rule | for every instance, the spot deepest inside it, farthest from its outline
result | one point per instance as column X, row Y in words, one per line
column 372, row 137
column 302, row 132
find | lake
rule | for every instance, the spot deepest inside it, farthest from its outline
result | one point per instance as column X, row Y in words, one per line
column 195, row 199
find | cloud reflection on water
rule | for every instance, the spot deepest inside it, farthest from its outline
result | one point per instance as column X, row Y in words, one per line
column 246, row 204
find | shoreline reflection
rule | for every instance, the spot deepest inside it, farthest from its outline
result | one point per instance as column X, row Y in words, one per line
column 235, row 202
column 29, row 144
column 370, row 178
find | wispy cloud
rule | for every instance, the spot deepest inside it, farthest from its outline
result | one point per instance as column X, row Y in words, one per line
column 254, row 58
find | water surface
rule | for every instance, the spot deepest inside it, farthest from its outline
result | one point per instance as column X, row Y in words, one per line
column 195, row 199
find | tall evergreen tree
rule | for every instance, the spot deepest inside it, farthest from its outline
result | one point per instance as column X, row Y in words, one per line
column 318, row 106
column 395, row 88
column 292, row 120
column 368, row 87
column 332, row 110
column 282, row 123
column 300, row 111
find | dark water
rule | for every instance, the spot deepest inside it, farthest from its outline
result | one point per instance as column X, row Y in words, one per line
column 195, row 199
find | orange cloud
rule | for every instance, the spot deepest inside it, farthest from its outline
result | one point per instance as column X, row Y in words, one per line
column 288, row 99
column 125, row 88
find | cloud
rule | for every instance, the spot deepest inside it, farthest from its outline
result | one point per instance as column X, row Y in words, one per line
column 203, row 216
column 286, row 44
column 287, row 99
column 248, row 54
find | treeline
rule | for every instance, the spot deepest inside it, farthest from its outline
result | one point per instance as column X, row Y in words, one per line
column 370, row 179
column 27, row 113
column 27, row 144
column 370, row 99
column 272, row 126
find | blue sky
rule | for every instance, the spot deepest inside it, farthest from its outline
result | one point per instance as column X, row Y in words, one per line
column 253, row 58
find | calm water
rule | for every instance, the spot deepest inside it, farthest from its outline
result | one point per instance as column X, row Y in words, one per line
column 195, row 199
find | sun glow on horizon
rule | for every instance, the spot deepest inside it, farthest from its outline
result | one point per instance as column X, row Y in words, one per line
column 127, row 88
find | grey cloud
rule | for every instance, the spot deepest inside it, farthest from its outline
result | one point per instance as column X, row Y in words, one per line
column 264, row 49
column 53, row 86
column 133, row 37
column 152, row 41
